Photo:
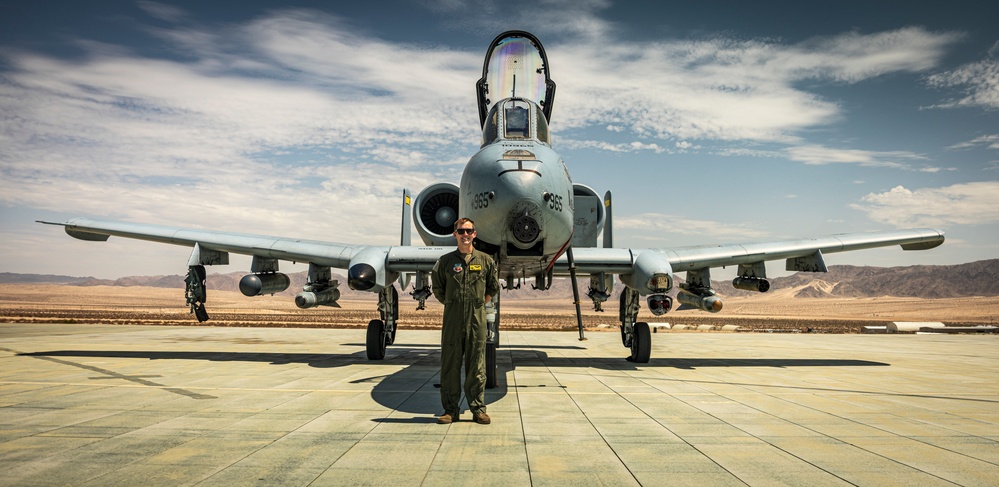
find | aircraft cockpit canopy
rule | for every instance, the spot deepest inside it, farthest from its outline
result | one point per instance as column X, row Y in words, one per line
column 513, row 119
column 515, row 67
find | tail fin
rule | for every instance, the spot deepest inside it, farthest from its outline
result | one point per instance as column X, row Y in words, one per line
column 608, row 222
column 407, row 215
column 405, row 234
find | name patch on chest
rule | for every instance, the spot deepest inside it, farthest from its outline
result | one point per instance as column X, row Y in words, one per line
column 475, row 268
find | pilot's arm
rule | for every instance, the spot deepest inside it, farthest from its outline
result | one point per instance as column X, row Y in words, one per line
column 437, row 280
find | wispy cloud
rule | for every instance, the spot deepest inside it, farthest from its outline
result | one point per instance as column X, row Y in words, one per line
column 658, row 227
column 290, row 122
column 816, row 155
column 961, row 204
column 726, row 89
column 989, row 141
column 978, row 82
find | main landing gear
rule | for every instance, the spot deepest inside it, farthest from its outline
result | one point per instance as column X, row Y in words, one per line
column 196, row 291
column 634, row 335
column 381, row 332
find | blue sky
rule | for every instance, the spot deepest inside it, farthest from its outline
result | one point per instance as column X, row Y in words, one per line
column 710, row 122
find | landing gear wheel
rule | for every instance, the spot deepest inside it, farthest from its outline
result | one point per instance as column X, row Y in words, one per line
column 641, row 343
column 376, row 341
column 200, row 313
column 492, row 379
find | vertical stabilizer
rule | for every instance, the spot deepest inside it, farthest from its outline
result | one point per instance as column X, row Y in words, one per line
column 608, row 222
column 407, row 211
column 406, row 232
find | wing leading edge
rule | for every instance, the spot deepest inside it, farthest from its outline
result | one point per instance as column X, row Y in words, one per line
column 796, row 252
column 688, row 258
column 331, row 254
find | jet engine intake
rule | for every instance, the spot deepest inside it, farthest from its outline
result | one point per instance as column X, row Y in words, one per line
column 261, row 284
column 704, row 302
column 751, row 284
column 435, row 211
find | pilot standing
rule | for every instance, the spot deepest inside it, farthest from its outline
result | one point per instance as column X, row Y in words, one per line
column 464, row 280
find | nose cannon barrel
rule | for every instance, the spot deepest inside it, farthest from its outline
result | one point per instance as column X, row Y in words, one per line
column 525, row 229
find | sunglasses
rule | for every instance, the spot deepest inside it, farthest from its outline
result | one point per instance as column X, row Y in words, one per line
column 464, row 231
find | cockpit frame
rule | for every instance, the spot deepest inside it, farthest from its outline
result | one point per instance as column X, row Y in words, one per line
column 483, row 89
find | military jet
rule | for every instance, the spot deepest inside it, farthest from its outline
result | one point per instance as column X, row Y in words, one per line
column 530, row 216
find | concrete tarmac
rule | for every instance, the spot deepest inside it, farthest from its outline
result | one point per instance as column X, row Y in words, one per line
column 133, row 405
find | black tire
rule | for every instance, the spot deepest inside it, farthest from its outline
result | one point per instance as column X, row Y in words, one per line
column 376, row 342
column 200, row 313
column 492, row 375
column 641, row 343
column 201, row 292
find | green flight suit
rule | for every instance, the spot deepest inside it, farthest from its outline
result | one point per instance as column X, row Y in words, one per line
column 462, row 287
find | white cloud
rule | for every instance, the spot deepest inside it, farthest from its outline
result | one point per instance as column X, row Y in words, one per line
column 657, row 227
column 960, row 204
column 990, row 141
column 162, row 11
column 297, row 123
column 817, row 155
column 215, row 140
column 978, row 81
column 726, row 89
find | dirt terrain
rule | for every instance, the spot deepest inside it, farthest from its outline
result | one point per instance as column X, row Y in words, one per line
column 775, row 311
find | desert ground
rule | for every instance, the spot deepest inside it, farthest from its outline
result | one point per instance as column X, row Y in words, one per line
column 775, row 312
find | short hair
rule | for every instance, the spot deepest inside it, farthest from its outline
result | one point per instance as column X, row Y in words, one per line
column 462, row 221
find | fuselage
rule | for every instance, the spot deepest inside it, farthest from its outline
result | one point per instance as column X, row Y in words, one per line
column 518, row 191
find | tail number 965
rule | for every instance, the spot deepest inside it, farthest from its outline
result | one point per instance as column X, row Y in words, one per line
column 480, row 200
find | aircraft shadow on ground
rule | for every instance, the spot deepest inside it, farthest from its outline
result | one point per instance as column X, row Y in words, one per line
column 411, row 388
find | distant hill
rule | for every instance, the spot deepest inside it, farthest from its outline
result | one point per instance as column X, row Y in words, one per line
column 13, row 278
column 924, row 281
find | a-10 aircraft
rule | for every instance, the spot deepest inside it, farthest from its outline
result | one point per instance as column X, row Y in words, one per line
column 530, row 216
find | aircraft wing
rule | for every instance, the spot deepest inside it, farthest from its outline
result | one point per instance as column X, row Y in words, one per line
column 331, row 254
column 801, row 255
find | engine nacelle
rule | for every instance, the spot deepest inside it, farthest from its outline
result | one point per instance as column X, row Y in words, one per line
column 367, row 271
column 435, row 211
column 709, row 302
column 260, row 284
column 751, row 284
column 587, row 217
column 651, row 273
column 326, row 297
